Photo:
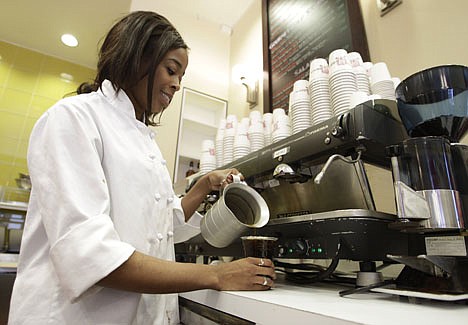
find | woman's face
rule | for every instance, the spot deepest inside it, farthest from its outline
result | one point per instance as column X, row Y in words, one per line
column 167, row 80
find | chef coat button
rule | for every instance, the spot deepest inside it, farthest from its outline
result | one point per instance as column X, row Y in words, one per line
column 160, row 236
column 170, row 199
column 170, row 233
column 163, row 162
column 152, row 156
column 152, row 135
column 157, row 196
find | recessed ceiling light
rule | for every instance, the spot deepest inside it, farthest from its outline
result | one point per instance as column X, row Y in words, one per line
column 69, row 40
column 66, row 77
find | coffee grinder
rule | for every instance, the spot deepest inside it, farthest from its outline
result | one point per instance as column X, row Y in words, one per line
column 430, row 179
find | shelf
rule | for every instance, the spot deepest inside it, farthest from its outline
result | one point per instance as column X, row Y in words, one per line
column 198, row 122
column 200, row 117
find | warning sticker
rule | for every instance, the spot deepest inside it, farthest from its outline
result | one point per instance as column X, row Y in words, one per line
column 446, row 246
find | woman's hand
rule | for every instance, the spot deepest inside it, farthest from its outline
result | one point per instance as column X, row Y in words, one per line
column 212, row 181
column 218, row 179
column 250, row 273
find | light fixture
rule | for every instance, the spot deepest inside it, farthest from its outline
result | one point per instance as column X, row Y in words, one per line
column 69, row 40
column 66, row 77
column 385, row 6
column 243, row 75
column 226, row 29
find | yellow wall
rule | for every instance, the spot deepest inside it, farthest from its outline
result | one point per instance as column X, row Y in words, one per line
column 30, row 83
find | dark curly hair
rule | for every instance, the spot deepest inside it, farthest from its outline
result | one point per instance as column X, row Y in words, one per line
column 139, row 38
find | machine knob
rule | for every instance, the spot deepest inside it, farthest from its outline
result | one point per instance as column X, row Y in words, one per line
column 299, row 247
column 337, row 131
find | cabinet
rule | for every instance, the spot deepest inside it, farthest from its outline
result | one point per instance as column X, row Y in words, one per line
column 199, row 120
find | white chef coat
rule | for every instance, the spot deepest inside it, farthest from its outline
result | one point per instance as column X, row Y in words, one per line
column 101, row 190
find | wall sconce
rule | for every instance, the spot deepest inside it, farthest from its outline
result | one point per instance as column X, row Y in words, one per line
column 243, row 75
column 385, row 6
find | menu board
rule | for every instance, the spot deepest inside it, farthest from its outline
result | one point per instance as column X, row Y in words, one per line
column 297, row 31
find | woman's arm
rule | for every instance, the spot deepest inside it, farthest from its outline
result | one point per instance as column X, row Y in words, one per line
column 146, row 274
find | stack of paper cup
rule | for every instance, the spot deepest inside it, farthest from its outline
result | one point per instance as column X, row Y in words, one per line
column 228, row 139
column 319, row 91
column 358, row 97
column 381, row 81
column 267, row 128
column 208, row 157
column 299, row 107
column 219, row 142
column 396, row 82
column 241, row 140
column 367, row 66
column 255, row 133
column 281, row 125
column 362, row 79
column 342, row 81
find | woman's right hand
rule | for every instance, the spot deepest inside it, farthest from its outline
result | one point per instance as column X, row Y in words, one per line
column 250, row 273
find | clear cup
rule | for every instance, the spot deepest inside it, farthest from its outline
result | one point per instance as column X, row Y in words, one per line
column 259, row 246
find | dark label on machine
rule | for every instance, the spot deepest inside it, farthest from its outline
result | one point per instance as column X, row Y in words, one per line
column 293, row 214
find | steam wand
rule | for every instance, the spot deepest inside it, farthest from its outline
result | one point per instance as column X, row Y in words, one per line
column 320, row 175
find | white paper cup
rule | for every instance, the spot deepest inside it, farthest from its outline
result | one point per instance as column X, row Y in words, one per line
column 300, row 85
column 338, row 57
column 355, row 59
column 379, row 72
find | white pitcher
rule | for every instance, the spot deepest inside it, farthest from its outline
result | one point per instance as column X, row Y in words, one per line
column 240, row 207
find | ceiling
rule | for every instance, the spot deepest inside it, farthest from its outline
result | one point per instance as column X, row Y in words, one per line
column 38, row 25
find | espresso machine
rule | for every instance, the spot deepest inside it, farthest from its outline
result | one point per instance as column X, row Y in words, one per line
column 322, row 204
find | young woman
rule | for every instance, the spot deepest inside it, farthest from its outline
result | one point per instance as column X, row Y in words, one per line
column 98, row 245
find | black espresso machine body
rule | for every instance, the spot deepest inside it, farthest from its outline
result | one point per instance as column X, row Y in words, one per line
column 338, row 215
column 334, row 216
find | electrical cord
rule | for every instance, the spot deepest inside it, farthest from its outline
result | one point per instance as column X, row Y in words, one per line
column 311, row 277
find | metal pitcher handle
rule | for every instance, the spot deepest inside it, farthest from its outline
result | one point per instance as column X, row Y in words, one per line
column 235, row 179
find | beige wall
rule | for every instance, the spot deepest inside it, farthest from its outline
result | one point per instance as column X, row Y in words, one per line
column 246, row 49
column 417, row 34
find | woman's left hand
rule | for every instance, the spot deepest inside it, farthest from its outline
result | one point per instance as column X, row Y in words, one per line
column 218, row 179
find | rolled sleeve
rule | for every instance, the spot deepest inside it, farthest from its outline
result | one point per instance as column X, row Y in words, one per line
column 183, row 231
column 80, row 266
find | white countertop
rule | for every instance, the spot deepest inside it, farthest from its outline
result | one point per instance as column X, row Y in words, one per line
column 321, row 304
column 15, row 206
column 8, row 262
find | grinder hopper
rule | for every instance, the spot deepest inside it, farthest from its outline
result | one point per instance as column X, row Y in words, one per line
column 433, row 106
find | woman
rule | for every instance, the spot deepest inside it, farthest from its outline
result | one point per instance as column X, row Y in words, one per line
column 102, row 219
